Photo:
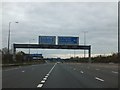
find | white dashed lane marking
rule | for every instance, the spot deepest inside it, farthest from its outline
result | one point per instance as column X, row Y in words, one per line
column 81, row 71
column 40, row 85
column 42, row 81
column 115, row 72
column 23, row 71
column 47, row 74
column 97, row 69
column 99, row 79
column 45, row 78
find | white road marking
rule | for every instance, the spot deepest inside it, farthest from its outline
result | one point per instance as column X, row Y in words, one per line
column 114, row 72
column 44, row 78
column 97, row 69
column 10, row 69
column 42, row 81
column 47, row 74
column 40, row 85
column 99, row 79
column 52, row 68
column 81, row 71
column 23, row 71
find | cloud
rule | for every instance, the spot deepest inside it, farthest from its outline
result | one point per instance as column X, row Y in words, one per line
column 63, row 18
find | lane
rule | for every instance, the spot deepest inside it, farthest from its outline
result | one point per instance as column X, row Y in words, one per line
column 109, row 79
column 62, row 75
column 25, row 77
column 61, row 78
column 67, row 76
column 96, row 69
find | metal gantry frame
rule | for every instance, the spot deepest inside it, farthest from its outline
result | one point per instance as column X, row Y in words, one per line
column 41, row 46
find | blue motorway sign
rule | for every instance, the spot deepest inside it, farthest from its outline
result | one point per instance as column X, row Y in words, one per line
column 36, row 55
column 51, row 40
column 68, row 40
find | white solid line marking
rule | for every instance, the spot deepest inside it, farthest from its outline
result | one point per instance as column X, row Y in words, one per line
column 42, row 81
column 99, row 79
column 52, row 69
column 114, row 72
column 10, row 69
column 81, row 71
column 40, row 85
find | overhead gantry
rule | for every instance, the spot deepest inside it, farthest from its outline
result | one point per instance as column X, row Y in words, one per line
column 41, row 46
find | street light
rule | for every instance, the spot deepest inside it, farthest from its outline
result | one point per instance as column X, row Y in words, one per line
column 29, row 48
column 85, row 41
column 9, row 37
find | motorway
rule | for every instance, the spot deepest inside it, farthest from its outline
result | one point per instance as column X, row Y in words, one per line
column 62, row 75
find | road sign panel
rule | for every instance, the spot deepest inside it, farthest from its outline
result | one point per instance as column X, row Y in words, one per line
column 51, row 40
column 68, row 40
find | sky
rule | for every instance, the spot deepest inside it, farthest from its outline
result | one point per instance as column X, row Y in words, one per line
column 98, row 19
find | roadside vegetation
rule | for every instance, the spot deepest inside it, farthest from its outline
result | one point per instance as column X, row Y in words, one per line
column 21, row 60
column 7, row 59
column 98, row 59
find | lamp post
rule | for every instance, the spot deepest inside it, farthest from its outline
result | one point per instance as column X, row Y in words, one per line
column 74, row 53
column 9, row 38
column 85, row 41
column 29, row 48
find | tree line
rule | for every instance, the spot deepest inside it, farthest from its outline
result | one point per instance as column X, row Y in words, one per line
column 98, row 59
column 20, row 58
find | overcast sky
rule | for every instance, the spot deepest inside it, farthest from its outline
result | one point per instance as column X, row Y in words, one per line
column 62, row 18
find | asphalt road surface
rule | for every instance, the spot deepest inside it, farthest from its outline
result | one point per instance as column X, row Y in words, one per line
column 62, row 75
